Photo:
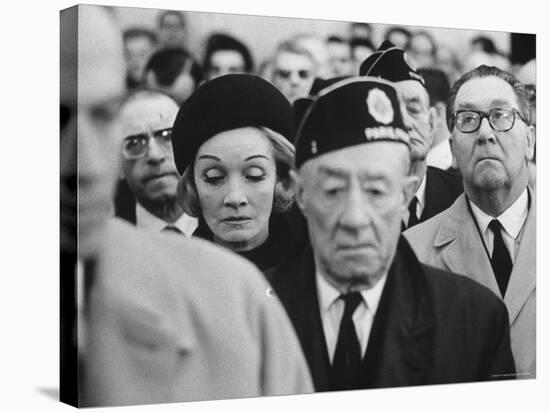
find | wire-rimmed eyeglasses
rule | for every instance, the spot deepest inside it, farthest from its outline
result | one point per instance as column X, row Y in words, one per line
column 137, row 146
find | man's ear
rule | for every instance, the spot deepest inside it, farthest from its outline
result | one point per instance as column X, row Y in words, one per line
column 454, row 163
column 440, row 110
column 433, row 118
column 298, row 189
column 530, row 149
column 409, row 189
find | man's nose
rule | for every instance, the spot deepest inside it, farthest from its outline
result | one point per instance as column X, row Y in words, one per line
column 156, row 152
column 485, row 133
column 355, row 211
column 294, row 78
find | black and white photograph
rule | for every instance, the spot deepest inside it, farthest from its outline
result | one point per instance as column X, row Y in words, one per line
column 321, row 206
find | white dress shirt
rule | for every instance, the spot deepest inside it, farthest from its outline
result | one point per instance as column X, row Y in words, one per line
column 512, row 221
column 421, row 197
column 145, row 220
column 332, row 311
column 440, row 155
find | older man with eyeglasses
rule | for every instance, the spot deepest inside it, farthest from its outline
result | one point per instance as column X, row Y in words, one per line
column 488, row 234
column 147, row 162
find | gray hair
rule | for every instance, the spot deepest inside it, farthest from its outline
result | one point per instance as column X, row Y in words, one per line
column 522, row 94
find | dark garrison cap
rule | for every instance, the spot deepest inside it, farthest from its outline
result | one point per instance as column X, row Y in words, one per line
column 225, row 103
column 391, row 63
column 350, row 112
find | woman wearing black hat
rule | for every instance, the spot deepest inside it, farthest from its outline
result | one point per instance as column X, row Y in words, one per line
column 230, row 145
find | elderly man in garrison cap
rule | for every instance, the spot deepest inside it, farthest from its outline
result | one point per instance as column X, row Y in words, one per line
column 436, row 189
column 367, row 313
column 489, row 233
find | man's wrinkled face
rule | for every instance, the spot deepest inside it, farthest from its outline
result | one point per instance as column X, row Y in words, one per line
column 353, row 200
column 152, row 178
column 417, row 117
column 488, row 159
column 88, row 129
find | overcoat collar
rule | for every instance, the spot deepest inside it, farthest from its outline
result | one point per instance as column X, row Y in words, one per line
column 401, row 341
column 463, row 253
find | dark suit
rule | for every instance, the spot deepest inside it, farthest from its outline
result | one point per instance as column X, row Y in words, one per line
column 125, row 203
column 431, row 326
column 442, row 189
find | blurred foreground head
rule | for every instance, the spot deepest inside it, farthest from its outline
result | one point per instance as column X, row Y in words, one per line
column 88, row 148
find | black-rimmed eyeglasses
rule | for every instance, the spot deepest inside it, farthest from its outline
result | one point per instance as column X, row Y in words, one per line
column 137, row 146
column 501, row 120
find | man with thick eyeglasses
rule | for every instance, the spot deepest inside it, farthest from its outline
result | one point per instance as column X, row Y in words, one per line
column 488, row 234
column 148, row 167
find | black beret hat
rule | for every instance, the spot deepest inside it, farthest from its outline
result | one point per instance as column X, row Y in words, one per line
column 353, row 111
column 391, row 63
column 225, row 103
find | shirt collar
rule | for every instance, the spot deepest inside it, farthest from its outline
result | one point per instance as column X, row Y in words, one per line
column 512, row 219
column 421, row 194
column 328, row 294
column 146, row 220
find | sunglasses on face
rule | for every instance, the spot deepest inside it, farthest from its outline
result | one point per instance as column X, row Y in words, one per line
column 286, row 74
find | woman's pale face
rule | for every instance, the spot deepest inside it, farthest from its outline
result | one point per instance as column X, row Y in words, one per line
column 235, row 176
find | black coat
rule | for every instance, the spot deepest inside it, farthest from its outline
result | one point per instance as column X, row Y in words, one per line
column 125, row 202
column 442, row 189
column 431, row 326
column 287, row 239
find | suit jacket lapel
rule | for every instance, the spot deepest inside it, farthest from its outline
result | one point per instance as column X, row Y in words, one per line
column 462, row 247
column 435, row 196
column 401, row 339
column 523, row 277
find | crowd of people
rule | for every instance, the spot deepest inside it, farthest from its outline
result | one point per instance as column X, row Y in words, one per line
column 341, row 216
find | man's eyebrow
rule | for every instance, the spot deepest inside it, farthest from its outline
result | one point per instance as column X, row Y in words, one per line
column 466, row 105
column 137, row 135
column 505, row 102
column 331, row 171
column 494, row 102
column 374, row 176
column 413, row 99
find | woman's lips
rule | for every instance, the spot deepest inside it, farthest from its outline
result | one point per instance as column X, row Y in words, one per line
column 236, row 220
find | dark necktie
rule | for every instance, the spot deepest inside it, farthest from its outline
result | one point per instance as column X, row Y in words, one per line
column 413, row 219
column 346, row 363
column 173, row 229
column 500, row 260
